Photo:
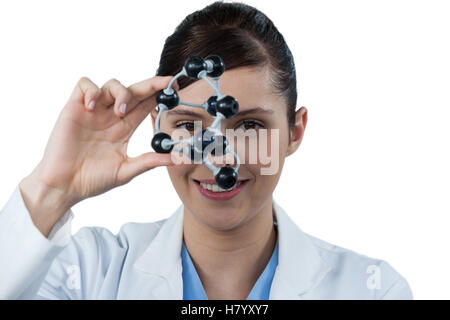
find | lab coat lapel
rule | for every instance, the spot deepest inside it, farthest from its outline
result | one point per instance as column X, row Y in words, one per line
column 300, row 267
column 161, row 261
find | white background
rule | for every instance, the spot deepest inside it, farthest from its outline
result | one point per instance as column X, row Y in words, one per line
column 372, row 174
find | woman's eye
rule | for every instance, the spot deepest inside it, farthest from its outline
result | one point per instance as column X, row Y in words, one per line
column 250, row 124
column 245, row 125
column 188, row 125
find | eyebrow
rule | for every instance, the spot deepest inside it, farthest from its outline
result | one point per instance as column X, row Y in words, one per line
column 184, row 112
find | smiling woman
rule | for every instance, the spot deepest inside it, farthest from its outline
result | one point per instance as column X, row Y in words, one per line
column 230, row 235
column 218, row 244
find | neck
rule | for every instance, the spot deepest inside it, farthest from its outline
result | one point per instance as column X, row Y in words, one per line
column 231, row 259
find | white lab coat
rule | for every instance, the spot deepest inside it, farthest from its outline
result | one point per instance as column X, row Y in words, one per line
column 143, row 261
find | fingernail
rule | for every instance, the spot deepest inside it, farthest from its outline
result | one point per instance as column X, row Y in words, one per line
column 91, row 105
column 123, row 107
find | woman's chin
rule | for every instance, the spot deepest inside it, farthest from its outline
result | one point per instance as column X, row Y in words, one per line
column 220, row 219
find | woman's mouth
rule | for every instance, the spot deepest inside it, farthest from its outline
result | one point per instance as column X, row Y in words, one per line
column 209, row 189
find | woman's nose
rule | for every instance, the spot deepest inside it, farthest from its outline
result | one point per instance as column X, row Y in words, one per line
column 222, row 159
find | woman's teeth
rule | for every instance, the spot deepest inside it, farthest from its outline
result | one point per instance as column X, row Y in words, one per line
column 216, row 188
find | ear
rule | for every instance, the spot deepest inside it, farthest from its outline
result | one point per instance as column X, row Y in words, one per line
column 298, row 130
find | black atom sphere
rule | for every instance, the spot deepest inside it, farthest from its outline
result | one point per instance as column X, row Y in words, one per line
column 194, row 65
column 226, row 178
column 218, row 66
column 169, row 100
column 228, row 106
column 157, row 142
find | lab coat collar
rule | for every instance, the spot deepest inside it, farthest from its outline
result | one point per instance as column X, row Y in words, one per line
column 163, row 259
column 300, row 267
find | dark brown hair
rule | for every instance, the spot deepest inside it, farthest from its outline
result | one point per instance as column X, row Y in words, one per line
column 242, row 36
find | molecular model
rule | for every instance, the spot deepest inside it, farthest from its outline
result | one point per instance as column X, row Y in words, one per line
column 210, row 140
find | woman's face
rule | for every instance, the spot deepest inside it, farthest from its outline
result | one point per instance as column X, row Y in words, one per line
column 259, row 110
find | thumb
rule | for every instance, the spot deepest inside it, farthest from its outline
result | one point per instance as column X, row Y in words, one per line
column 133, row 167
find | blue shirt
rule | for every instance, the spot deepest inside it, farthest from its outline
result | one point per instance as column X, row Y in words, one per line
column 193, row 288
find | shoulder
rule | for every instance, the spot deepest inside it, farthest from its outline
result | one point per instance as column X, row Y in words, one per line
column 95, row 254
column 130, row 235
column 357, row 276
column 96, row 246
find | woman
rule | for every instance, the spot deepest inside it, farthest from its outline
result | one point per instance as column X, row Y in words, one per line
column 237, row 244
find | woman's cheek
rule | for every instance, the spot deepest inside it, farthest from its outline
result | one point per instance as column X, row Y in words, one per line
column 269, row 151
column 246, row 146
column 178, row 174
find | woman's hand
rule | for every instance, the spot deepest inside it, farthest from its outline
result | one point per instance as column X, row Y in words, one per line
column 86, row 154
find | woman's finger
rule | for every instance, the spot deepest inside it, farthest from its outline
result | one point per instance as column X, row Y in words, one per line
column 133, row 167
column 118, row 96
column 87, row 93
column 125, row 100
column 145, row 91
column 146, row 88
